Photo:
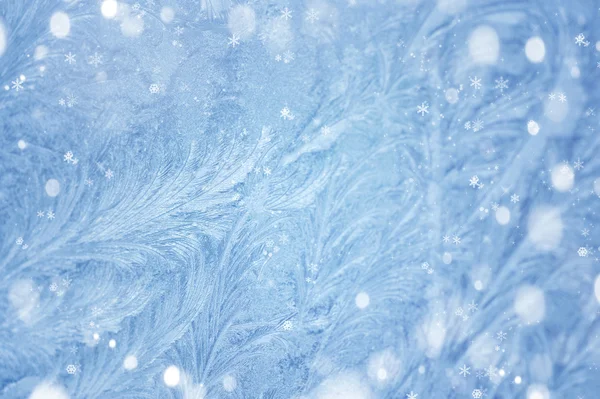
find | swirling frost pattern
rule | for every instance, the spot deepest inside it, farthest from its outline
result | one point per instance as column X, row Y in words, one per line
column 322, row 199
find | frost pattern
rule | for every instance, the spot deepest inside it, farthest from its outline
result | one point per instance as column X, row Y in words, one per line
column 323, row 199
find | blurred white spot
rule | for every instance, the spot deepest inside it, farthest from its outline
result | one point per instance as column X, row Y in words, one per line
column 563, row 177
column 130, row 362
column 597, row 288
column 451, row 6
column 530, row 304
column 96, row 337
column 478, row 285
column 383, row 366
column 47, row 390
column 502, row 373
column 40, row 52
column 533, row 128
column 277, row 34
column 484, row 45
column 60, row 24
column 229, row 383
column 171, row 376
column 343, row 386
column 242, row 21
column 598, row 45
column 518, row 380
column 535, row 49
column 22, row 144
column 421, row 369
column 545, row 228
column 52, row 187
column 167, row 14
column 597, row 186
column 556, row 110
column 362, row 300
column 447, row 258
column 24, row 297
column 538, row 391
column 575, row 72
column 2, row 38
column 503, row 215
column 452, row 95
column 112, row 343
column 109, row 8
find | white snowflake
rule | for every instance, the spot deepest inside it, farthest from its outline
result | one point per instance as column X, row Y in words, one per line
column 109, row 174
column 411, row 395
column 40, row 214
column 154, row 88
column 288, row 57
column 325, row 130
column 71, row 369
column 70, row 58
column 514, row 198
column 583, row 252
column 501, row 336
column 474, row 181
column 71, row 100
column 287, row 325
column 580, row 40
column 68, row 157
column 95, row 60
column 286, row 13
column 17, row 84
column 456, row 240
column 477, row 125
column 475, row 83
column 464, row 370
column 286, row 114
column 50, row 215
column 562, row 98
column 423, row 109
column 19, row 241
column 472, row 306
column 233, row 41
column 501, row 84
column 312, row 15
column 585, row 232
column 578, row 165
column 477, row 393
column 53, row 287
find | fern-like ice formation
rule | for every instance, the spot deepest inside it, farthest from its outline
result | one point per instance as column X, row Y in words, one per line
column 320, row 199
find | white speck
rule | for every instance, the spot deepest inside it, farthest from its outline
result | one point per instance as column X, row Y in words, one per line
column 112, row 344
column 538, row 391
column 563, row 177
column 597, row 288
column 2, row 38
column 362, row 300
column 533, row 128
column 229, row 383
column 535, row 49
column 171, row 376
column 478, row 285
column 96, row 337
column 503, row 215
column 484, row 45
column 22, row 144
column 52, row 187
column 60, row 24
column 452, row 95
column 109, row 8
column 518, row 380
column 130, row 362
column 167, row 14
column 47, row 390
column 530, row 304
column 447, row 258
column 545, row 228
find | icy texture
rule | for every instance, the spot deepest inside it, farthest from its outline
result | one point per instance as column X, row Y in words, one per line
column 349, row 199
